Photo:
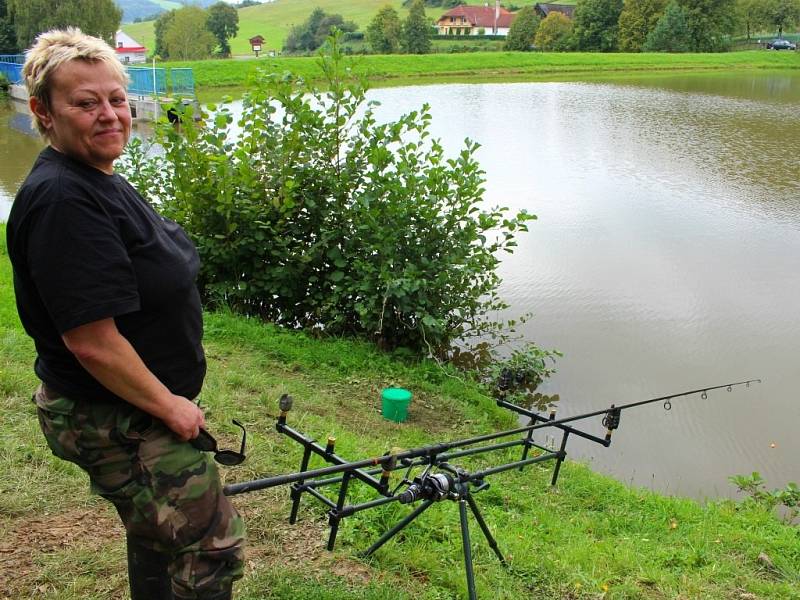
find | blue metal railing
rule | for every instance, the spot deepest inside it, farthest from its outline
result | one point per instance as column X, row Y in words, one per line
column 11, row 72
column 182, row 82
column 11, row 67
column 145, row 81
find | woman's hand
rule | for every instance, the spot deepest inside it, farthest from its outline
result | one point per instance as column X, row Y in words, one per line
column 184, row 418
column 109, row 357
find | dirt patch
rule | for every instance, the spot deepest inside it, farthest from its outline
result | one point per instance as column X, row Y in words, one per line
column 303, row 546
column 25, row 539
column 295, row 547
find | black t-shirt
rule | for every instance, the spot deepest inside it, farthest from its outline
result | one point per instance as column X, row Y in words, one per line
column 85, row 246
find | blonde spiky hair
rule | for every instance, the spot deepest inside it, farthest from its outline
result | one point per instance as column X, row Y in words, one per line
column 56, row 47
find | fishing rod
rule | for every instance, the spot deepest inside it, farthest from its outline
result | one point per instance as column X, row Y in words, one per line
column 440, row 479
column 612, row 420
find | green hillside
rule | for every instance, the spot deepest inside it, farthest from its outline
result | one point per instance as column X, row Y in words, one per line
column 274, row 19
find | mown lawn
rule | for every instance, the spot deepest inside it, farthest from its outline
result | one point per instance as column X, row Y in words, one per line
column 432, row 68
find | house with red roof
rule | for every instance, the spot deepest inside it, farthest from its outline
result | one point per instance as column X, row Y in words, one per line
column 476, row 20
column 129, row 51
column 545, row 8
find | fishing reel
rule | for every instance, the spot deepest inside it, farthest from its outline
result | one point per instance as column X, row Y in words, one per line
column 435, row 487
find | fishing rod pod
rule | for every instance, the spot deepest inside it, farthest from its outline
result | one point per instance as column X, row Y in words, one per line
column 440, row 480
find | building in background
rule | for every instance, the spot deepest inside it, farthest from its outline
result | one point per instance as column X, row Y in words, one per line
column 475, row 20
column 544, row 8
column 129, row 51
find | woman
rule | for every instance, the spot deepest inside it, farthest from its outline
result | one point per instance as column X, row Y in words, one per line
column 106, row 289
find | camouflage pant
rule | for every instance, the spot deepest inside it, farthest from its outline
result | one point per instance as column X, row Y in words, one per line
column 167, row 493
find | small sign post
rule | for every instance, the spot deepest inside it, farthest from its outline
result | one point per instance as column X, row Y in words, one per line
column 256, row 43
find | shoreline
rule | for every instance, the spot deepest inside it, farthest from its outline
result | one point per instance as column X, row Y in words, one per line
column 216, row 78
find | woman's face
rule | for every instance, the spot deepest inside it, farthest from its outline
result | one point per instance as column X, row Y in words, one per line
column 89, row 118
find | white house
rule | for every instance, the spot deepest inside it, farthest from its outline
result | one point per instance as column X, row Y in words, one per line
column 476, row 20
column 129, row 51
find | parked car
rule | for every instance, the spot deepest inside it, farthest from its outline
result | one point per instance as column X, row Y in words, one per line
column 781, row 45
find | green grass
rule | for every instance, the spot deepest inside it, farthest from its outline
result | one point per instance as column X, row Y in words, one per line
column 168, row 4
column 273, row 20
column 591, row 537
column 433, row 68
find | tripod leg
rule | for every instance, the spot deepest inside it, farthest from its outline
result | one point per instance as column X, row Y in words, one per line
column 462, row 512
column 528, row 441
column 485, row 529
column 562, row 453
column 394, row 530
column 297, row 489
column 334, row 515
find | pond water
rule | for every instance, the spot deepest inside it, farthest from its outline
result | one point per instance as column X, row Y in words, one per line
column 665, row 256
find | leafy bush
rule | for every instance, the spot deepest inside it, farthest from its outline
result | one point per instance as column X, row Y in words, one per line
column 313, row 32
column 522, row 30
column 554, row 33
column 671, row 33
column 754, row 486
column 316, row 216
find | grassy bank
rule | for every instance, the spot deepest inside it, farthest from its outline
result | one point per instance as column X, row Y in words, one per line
column 398, row 69
column 589, row 538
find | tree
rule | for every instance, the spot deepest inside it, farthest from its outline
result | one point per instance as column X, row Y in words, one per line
column 327, row 26
column 554, row 33
column 160, row 28
column 782, row 13
column 8, row 37
column 417, row 30
column 595, row 24
column 187, row 38
column 637, row 19
column 100, row 18
column 311, row 34
column 671, row 33
column 301, row 37
column 710, row 23
column 384, row 31
column 223, row 23
column 751, row 15
column 523, row 30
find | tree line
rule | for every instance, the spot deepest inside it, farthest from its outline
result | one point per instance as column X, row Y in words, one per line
column 651, row 25
column 192, row 33
column 22, row 20
column 596, row 26
column 386, row 33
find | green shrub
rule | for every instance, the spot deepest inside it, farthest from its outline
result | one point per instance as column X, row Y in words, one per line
column 316, row 216
column 755, row 488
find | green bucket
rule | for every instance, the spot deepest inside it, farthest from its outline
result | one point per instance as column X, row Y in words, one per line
column 394, row 404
